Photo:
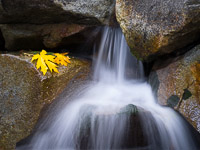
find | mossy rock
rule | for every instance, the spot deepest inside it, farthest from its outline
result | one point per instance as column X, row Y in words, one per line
column 24, row 91
column 179, row 85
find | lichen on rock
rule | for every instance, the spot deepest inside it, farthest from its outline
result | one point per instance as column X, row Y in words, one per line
column 24, row 91
column 158, row 27
column 180, row 79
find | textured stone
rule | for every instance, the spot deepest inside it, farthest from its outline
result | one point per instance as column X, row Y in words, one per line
column 181, row 81
column 24, row 91
column 27, row 36
column 44, row 24
column 91, row 12
column 158, row 27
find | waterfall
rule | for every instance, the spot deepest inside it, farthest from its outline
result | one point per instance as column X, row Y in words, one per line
column 117, row 110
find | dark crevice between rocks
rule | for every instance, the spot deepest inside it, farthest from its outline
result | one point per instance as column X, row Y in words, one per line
column 165, row 60
column 113, row 19
column 31, row 43
column 80, row 44
column 161, row 62
column 83, row 44
column 182, row 41
column 147, row 68
column 2, row 42
column 2, row 4
column 71, row 20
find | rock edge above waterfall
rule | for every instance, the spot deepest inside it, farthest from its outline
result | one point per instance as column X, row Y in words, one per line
column 24, row 91
column 159, row 27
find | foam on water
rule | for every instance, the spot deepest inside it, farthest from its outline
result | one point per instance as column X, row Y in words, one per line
column 92, row 120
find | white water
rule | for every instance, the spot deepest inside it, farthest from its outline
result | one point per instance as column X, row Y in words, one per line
column 92, row 121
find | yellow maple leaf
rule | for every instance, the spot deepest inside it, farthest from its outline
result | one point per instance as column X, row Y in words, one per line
column 45, row 61
column 62, row 59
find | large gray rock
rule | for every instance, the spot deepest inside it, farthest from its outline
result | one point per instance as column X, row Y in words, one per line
column 91, row 12
column 24, row 91
column 157, row 27
column 42, row 24
column 177, row 85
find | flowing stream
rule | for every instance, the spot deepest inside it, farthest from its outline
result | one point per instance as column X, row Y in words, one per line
column 116, row 111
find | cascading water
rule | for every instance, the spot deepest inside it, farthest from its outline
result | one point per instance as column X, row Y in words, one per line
column 107, row 114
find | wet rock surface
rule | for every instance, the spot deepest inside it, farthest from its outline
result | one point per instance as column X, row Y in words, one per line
column 133, row 136
column 158, row 27
column 178, row 85
column 24, row 91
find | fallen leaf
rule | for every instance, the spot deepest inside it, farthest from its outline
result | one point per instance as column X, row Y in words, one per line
column 45, row 62
column 62, row 59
